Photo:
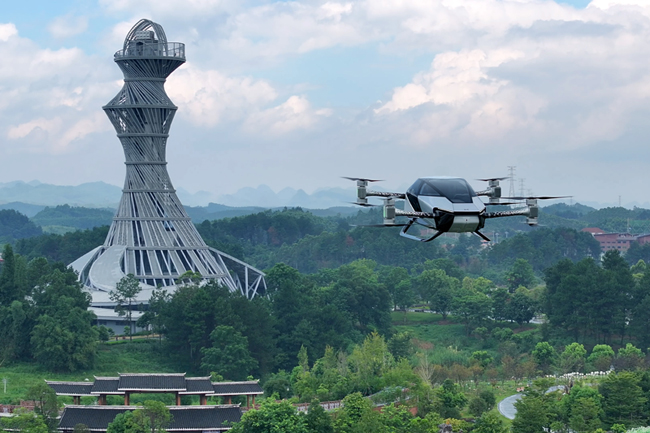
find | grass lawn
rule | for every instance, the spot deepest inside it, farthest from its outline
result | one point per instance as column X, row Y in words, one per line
column 138, row 357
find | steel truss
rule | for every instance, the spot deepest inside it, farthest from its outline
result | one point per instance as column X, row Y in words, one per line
column 151, row 235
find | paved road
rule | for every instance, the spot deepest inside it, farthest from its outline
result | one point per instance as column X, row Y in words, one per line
column 507, row 405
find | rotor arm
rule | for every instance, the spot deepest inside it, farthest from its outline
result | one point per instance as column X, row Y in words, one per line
column 531, row 211
column 399, row 212
column 516, row 212
column 370, row 193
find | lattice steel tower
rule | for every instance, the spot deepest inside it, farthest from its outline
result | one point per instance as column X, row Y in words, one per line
column 151, row 235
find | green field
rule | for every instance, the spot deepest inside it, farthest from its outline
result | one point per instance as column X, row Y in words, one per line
column 140, row 356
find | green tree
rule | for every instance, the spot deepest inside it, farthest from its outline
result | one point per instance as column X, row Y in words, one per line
column 317, row 420
column 103, row 334
column 451, row 400
column 24, row 422
column 623, row 400
column 153, row 417
column 229, row 354
column 357, row 415
column 544, row 355
column 573, row 358
column 437, row 288
column 629, row 358
column 473, row 307
column 536, row 410
column 520, row 308
column 391, row 278
column 369, row 362
column 124, row 423
column 125, row 293
column 46, row 404
column 490, row 422
column 601, row 357
column 400, row 345
column 521, row 274
column 7, row 276
column 271, row 417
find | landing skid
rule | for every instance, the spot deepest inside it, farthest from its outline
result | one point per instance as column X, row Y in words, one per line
column 482, row 236
column 408, row 225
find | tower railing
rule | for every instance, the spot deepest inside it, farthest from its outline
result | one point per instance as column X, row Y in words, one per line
column 152, row 49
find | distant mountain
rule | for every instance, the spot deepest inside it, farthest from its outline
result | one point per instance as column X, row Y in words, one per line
column 263, row 196
column 93, row 194
column 73, row 217
column 24, row 208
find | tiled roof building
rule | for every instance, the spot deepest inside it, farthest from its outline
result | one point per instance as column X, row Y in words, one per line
column 143, row 383
column 188, row 419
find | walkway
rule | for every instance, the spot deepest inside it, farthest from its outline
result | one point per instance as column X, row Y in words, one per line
column 507, row 405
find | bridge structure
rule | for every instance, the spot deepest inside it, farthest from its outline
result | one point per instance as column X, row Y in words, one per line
column 151, row 235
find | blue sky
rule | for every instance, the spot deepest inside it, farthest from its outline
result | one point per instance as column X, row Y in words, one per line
column 296, row 94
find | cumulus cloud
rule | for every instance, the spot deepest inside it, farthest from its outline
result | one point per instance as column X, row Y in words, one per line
column 48, row 97
column 67, row 26
column 209, row 97
column 7, row 30
column 296, row 113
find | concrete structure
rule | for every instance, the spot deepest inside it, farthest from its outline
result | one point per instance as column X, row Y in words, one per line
column 151, row 236
column 109, row 318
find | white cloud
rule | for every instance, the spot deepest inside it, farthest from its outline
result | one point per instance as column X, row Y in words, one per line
column 210, row 97
column 6, row 31
column 294, row 114
column 67, row 26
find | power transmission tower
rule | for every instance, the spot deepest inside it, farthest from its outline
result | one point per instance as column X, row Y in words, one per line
column 521, row 187
column 511, row 171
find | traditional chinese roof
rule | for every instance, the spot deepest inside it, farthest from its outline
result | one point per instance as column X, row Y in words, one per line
column 152, row 382
column 184, row 418
column 106, row 385
column 198, row 385
column 251, row 387
column 71, row 388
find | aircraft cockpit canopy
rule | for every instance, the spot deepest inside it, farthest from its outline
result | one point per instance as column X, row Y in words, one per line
column 456, row 190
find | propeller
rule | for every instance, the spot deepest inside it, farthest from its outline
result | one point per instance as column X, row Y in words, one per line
column 542, row 197
column 493, row 179
column 505, row 203
column 362, row 179
column 364, row 204
column 378, row 225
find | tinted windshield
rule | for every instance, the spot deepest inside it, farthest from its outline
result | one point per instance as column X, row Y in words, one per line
column 455, row 190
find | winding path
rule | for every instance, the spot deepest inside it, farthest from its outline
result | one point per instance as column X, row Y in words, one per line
column 507, row 405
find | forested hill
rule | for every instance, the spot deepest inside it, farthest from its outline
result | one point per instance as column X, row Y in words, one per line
column 310, row 243
column 73, row 218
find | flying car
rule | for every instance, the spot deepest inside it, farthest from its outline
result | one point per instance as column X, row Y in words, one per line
column 447, row 204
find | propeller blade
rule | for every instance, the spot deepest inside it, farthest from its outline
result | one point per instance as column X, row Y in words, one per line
column 493, row 178
column 378, row 225
column 360, row 178
column 542, row 197
column 505, row 203
column 364, row 204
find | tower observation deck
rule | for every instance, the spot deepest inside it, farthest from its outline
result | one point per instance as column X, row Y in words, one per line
column 151, row 235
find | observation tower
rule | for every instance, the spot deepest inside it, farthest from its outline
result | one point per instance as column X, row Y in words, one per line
column 151, row 235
